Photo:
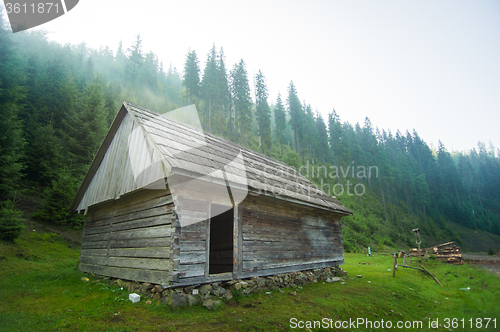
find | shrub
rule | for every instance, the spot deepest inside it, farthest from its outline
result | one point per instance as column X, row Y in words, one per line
column 10, row 223
column 491, row 252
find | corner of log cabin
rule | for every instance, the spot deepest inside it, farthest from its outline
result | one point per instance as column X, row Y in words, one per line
column 130, row 238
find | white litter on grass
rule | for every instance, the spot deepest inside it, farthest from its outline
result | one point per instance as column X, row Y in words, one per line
column 134, row 297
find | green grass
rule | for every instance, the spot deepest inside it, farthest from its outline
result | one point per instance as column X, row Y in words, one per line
column 41, row 290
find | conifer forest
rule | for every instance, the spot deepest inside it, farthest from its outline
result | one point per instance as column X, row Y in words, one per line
column 58, row 101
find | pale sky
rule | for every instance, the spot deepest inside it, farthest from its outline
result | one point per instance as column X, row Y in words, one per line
column 429, row 65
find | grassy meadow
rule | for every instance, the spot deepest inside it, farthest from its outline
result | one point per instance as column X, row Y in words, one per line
column 42, row 290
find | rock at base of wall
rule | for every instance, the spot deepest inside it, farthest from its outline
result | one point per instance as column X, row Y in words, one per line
column 211, row 294
column 179, row 299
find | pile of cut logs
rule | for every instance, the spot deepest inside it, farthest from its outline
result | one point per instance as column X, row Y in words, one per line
column 448, row 252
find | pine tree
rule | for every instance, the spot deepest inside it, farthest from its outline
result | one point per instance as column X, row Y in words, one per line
column 224, row 94
column 209, row 88
column 309, row 132
column 338, row 141
column 11, row 95
column 86, row 127
column 173, row 85
column 11, row 136
column 191, row 78
column 149, row 72
column 296, row 115
column 322, row 143
column 134, row 62
column 263, row 113
column 280, row 120
column 240, row 90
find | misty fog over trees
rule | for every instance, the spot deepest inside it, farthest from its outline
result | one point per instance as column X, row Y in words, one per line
column 58, row 101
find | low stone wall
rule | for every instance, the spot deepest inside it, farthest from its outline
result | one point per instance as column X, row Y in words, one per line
column 212, row 294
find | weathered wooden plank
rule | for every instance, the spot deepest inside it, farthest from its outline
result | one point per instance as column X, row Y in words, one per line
column 186, row 222
column 284, row 220
column 287, row 262
column 192, row 257
column 194, row 236
column 189, row 270
column 271, row 257
column 197, row 227
column 250, row 246
column 281, row 235
column 95, row 230
column 93, row 252
column 253, row 206
column 164, row 209
column 132, row 203
column 151, row 252
column 291, row 268
column 187, row 204
column 99, row 226
column 206, row 256
column 129, row 262
column 95, row 237
column 284, row 235
column 143, row 275
column 94, row 244
column 136, row 203
column 239, row 216
column 148, row 232
column 191, row 245
column 202, row 279
column 188, row 214
column 77, row 201
column 140, row 243
column 95, row 216
column 270, row 205
column 280, row 232
column 218, row 196
column 161, row 220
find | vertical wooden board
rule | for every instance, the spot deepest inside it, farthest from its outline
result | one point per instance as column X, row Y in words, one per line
column 239, row 215
column 104, row 172
column 207, row 242
column 236, row 248
column 118, row 174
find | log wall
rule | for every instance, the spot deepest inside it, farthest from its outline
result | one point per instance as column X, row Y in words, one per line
column 279, row 237
column 139, row 237
column 130, row 238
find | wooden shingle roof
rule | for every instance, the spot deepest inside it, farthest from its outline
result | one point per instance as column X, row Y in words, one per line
column 183, row 149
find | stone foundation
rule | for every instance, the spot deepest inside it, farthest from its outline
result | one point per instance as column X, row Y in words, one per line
column 212, row 294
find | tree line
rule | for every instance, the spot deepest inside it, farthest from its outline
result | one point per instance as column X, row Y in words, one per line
column 57, row 102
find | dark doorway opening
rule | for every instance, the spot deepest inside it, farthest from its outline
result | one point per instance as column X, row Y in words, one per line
column 221, row 240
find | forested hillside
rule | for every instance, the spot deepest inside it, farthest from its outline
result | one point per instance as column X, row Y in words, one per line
column 57, row 102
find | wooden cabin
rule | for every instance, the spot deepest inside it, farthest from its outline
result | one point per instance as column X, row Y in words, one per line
column 166, row 203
